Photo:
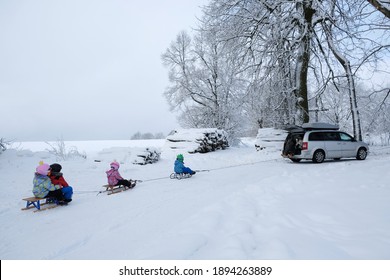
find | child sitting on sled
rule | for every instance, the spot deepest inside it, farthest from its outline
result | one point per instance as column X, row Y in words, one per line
column 57, row 179
column 43, row 187
column 180, row 168
column 115, row 179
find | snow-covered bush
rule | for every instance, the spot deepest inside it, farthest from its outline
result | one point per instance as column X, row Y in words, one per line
column 270, row 139
column 198, row 140
column 148, row 156
column 61, row 152
column 3, row 145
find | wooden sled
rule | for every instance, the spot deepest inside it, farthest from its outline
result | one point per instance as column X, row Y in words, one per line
column 115, row 189
column 35, row 202
column 180, row 176
column 120, row 188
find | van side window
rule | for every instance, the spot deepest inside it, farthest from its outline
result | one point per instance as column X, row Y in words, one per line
column 345, row 137
column 332, row 136
column 316, row 136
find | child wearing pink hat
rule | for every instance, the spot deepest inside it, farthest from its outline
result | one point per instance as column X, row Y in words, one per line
column 115, row 178
column 43, row 187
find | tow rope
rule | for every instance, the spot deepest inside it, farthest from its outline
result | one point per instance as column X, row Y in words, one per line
column 199, row 170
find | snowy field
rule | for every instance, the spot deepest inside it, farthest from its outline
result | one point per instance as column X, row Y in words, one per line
column 249, row 205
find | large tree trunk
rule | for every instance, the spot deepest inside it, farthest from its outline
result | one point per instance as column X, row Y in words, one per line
column 381, row 6
column 303, row 60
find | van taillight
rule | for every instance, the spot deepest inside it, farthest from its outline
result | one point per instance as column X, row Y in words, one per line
column 304, row 146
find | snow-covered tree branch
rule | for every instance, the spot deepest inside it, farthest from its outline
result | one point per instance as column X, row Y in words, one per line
column 381, row 5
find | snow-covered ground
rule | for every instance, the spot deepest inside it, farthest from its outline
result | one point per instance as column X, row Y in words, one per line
column 249, row 205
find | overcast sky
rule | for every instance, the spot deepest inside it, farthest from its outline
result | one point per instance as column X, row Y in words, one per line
column 87, row 69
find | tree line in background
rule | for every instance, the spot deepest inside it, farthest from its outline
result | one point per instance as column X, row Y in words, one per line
column 270, row 63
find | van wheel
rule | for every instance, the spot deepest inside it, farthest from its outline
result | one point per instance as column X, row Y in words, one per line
column 318, row 156
column 361, row 154
column 295, row 159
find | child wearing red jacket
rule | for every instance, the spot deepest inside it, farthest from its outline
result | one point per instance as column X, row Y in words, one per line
column 57, row 179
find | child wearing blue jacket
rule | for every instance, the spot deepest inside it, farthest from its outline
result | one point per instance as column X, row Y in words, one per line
column 180, row 168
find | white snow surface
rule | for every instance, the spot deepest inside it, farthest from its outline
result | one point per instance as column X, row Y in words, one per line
column 250, row 205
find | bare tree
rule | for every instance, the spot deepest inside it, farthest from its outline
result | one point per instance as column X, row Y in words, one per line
column 349, row 30
column 206, row 81
column 59, row 149
column 378, row 101
column 346, row 64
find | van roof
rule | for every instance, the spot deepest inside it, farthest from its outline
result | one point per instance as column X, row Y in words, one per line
column 320, row 125
column 311, row 126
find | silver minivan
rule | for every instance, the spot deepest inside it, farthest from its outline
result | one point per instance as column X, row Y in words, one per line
column 320, row 141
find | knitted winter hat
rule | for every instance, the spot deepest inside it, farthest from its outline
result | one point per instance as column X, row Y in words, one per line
column 180, row 157
column 42, row 168
column 115, row 165
column 55, row 167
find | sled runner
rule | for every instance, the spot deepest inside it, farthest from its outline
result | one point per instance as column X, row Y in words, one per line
column 114, row 189
column 35, row 202
column 180, row 176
